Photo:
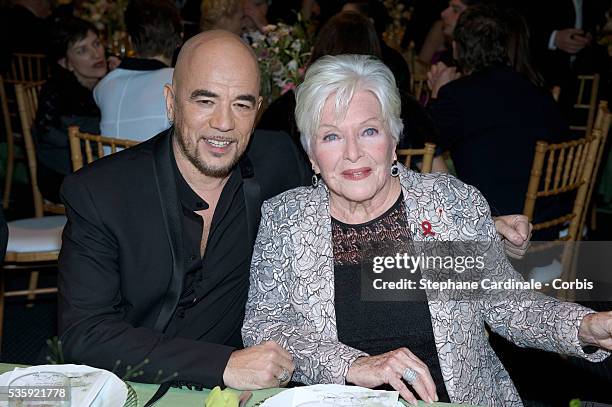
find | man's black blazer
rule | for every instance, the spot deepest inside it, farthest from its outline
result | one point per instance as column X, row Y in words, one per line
column 546, row 16
column 120, row 267
column 490, row 121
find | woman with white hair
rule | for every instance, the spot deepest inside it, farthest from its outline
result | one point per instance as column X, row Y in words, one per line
column 305, row 291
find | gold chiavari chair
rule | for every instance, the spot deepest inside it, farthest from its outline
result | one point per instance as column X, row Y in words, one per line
column 567, row 169
column 34, row 243
column 418, row 87
column 24, row 69
column 586, row 100
column 406, row 155
column 418, row 74
column 27, row 102
column 602, row 123
column 80, row 141
column 28, row 68
column 10, row 155
column 410, row 57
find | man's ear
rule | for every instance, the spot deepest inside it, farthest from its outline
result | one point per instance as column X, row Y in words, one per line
column 454, row 45
column 63, row 62
column 259, row 102
column 170, row 101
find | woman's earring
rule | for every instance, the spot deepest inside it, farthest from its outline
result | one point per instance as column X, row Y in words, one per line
column 315, row 180
column 394, row 169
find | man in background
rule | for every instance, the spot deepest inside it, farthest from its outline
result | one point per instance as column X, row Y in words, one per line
column 131, row 97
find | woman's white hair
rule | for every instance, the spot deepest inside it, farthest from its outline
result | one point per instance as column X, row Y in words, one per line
column 344, row 75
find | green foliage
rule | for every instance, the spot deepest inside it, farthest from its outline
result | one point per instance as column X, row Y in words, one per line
column 56, row 357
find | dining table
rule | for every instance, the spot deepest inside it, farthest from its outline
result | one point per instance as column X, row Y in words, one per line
column 183, row 397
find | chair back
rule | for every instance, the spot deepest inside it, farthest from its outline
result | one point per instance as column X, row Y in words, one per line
column 4, row 105
column 586, row 100
column 80, row 141
column 602, row 123
column 405, row 156
column 28, row 68
column 24, row 69
column 410, row 55
column 567, row 167
column 419, row 88
column 27, row 103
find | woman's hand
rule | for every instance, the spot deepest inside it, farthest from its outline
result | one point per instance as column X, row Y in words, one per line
column 374, row 371
column 596, row 330
column 515, row 231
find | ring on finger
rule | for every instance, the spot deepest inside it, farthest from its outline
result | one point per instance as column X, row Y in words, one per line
column 283, row 378
column 410, row 375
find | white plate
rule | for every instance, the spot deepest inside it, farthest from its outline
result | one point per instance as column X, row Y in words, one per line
column 287, row 398
column 114, row 392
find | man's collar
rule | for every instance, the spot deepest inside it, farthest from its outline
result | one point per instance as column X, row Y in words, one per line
column 141, row 64
column 187, row 196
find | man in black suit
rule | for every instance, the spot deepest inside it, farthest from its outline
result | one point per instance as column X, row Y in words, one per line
column 563, row 42
column 156, row 253
column 562, row 36
column 491, row 118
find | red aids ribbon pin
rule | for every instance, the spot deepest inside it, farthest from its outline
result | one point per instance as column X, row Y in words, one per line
column 427, row 228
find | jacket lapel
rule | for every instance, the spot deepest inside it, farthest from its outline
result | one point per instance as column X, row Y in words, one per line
column 252, row 197
column 314, row 236
column 168, row 199
column 422, row 207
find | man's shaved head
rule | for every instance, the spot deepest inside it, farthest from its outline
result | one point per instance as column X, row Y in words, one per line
column 213, row 102
column 212, row 42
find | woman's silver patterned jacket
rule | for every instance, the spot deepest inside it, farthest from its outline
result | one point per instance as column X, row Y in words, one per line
column 291, row 296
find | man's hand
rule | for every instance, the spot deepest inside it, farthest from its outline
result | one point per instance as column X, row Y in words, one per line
column 374, row 371
column 113, row 62
column 257, row 367
column 439, row 75
column 516, row 232
column 596, row 330
column 571, row 40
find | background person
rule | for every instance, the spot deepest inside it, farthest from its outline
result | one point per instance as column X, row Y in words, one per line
column 131, row 97
column 491, row 117
column 78, row 63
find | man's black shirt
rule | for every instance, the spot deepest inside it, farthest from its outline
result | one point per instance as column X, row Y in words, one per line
column 215, row 285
